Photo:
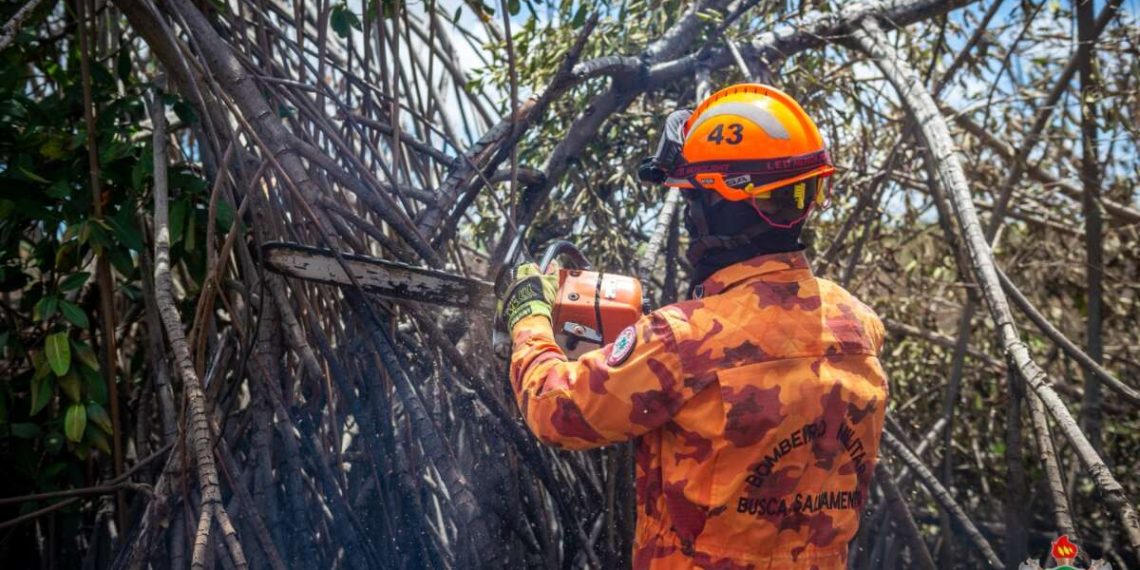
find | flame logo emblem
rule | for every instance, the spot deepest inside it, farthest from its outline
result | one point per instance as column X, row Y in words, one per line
column 1064, row 550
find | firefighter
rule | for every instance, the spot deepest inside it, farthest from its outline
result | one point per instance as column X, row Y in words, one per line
column 757, row 404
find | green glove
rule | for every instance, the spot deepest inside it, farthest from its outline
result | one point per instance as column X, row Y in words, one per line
column 530, row 293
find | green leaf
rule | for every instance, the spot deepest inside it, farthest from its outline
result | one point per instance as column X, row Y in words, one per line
column 121, row 260
column 126, row 233
column 85, row 354
column 513, row 7
column 71, row 386
column 189, row 183
column 709, row 16
column 33, row 176
column 84, row 233
column 389, row 8
column 97, row 414
column 54, row 148
column 74, row 281
column 41, row 393
column 342, row 20
column 73, row 313
column 339, row 21
column 96, row 388
column 224, row 216
column 39, row 360
column 25, row 430
column 65, row 256
column 45, row 308
column 75, row 422
column 99, row 440
column 579, row 16
column 58, row 353
column 115, row 151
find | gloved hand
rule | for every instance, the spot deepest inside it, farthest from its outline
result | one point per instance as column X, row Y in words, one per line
column 530, row 293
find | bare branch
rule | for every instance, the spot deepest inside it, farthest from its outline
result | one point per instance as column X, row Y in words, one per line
column 924, row 112
column 943, row 497
column 200, row 437
column 9, row 30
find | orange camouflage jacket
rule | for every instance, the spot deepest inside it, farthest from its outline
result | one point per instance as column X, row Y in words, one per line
column 758, row 406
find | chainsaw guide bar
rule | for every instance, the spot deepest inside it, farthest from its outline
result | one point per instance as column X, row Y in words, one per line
column 382, row 277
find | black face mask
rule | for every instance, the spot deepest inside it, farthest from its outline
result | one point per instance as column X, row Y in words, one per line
column 722, row 233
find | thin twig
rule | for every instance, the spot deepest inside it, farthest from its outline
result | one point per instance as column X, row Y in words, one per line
column 943, row 497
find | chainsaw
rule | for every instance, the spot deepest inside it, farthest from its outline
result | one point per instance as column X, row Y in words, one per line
column 591, row 308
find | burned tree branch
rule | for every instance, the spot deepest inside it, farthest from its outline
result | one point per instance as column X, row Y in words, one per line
column 12, row 26
column 943, row 497
column 1127, row 392
column 924, row 112
column 905, row 520
column 1119, row 211
column 201, row 439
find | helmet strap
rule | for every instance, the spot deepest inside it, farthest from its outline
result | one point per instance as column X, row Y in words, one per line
column 703, row 242
column 708, row 252
column 698, row 215
column 704, row 245
column 784, row 226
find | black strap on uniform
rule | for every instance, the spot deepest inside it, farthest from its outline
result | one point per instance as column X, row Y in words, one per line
column 703, row 242
column 699, row 247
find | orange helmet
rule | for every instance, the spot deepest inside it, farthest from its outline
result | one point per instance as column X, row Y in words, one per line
column 746, row 140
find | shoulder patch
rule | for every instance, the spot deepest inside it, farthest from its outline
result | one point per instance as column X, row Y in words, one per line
column 623, row 346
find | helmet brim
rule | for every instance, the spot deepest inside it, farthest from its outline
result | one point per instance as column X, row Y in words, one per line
column 715, row 181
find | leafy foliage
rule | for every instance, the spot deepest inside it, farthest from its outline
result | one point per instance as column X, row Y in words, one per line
column 53, row 401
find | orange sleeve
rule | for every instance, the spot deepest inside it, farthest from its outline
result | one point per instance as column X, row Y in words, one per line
column 602, row 397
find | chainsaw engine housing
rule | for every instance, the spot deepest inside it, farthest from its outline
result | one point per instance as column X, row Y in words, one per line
column 593, row 308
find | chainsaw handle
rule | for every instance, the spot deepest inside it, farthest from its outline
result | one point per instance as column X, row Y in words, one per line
column 563, row 247
column 501, row 338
